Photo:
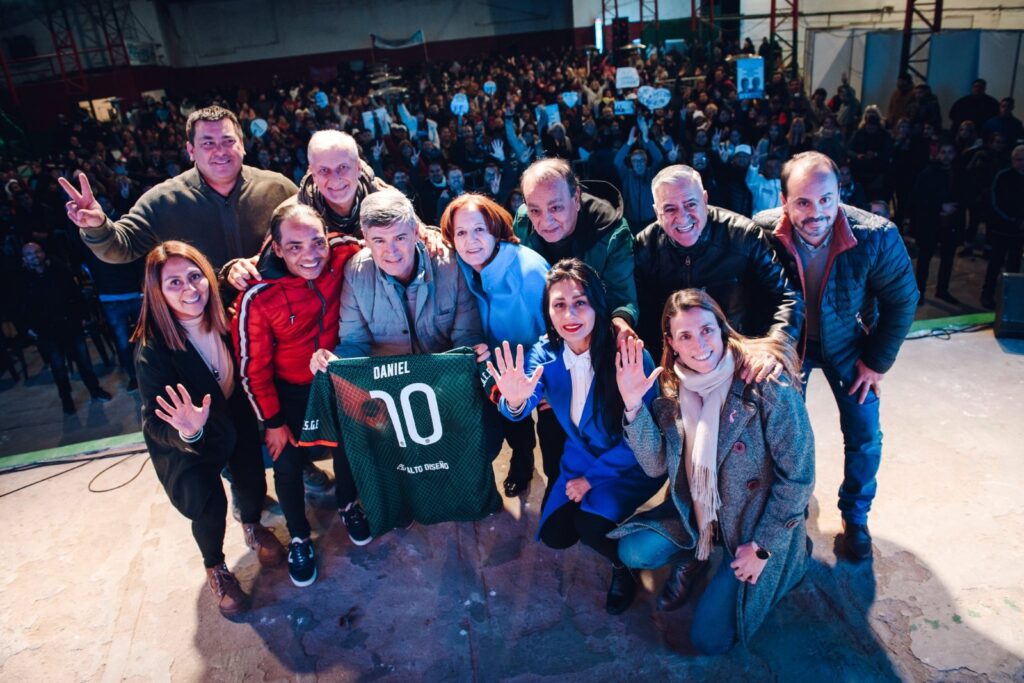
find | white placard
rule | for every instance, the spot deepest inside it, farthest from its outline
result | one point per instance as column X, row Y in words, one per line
column 554, row 116
column 627, row 77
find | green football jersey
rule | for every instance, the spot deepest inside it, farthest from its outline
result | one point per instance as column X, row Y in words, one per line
column 418, row 431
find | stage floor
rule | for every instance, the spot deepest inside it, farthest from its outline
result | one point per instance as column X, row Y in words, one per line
column 110, row 586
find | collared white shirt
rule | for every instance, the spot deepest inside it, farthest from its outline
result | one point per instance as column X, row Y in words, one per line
column 582, row 374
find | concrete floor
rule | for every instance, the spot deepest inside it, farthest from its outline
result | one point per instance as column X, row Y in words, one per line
column 110, row 586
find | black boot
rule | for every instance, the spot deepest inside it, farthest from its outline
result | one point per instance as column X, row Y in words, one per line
column 621, row 591
column 680, row 583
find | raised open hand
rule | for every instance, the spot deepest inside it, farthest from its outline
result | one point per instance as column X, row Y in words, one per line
column 510, row 377
column 633, row 382
column 498, row 150
column 83, row 209
column 180, row 413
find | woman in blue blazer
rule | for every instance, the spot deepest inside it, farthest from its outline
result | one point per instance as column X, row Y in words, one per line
column 573, row 368
column 507, row 280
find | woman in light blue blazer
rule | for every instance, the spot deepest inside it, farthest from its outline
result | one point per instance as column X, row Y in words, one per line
column 507, row 280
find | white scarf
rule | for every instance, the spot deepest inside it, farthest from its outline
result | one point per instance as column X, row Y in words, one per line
column 701, row 397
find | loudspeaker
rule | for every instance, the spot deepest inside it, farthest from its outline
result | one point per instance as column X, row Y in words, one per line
column 1010, row 306
column 620, row 32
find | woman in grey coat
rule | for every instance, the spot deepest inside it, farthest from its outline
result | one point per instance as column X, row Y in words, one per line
column 740, row 462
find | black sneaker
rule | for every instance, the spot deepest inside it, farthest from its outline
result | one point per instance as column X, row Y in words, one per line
column 356, row 523
column 301, row 562
column 101, row 395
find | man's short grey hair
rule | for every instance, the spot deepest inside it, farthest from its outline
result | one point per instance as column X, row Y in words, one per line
column 676, row 174
column 327, row 139
column 384, row 208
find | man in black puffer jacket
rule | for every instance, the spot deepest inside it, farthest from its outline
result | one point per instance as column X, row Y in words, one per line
column 861, row 295
column 696, row 245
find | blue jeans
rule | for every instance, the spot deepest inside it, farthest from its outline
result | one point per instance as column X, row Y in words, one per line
column 862, row 441
column 121, row 316
column 713, row 631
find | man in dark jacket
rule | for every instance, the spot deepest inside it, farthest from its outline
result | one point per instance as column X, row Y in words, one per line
column 696, row 245
column 1006, row 231
column 938, row 207
column 52, row 309
column 978, row 106
column 860, row 293
column 562, row 219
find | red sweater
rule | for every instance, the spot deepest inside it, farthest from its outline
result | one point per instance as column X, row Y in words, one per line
column 281, row 321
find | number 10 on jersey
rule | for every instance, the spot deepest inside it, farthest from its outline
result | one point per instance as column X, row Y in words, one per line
column 410, row 418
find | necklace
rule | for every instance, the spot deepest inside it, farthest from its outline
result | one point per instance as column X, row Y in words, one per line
column 211, row 366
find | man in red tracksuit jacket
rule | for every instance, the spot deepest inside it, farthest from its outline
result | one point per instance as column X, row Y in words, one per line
column 280, row 322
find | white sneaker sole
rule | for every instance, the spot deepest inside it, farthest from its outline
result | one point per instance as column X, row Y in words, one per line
column 303, row 584
column 362, row 542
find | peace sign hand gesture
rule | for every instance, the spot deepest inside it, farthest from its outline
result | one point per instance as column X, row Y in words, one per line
column 83, row 209
column 510, row 378
column 629, row 374
column 188, row 419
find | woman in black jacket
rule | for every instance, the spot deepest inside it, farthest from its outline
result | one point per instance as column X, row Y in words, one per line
column 184, row 352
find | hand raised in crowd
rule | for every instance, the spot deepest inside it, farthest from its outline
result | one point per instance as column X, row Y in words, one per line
column 378, row 150
column 83, row 209
column 241, row 271
column 867, row 380
column 761, row 366
column 319, row 360
column 576, row 488
column 633, row 382
column 526, row 155
column 673, row 154
column 632, row 136
column 498, row 150
column 277, row 438
column 414, row 158
column 510, row 376
column 747, row 565
column 641, row 124
column 180, row 413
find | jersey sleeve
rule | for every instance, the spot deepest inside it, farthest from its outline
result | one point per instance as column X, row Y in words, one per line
column 320, row 426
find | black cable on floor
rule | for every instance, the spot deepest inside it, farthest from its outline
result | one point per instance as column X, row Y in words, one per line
column 110, row 467
column 945, row 333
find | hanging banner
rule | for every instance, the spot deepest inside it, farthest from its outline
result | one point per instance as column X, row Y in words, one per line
column 385, row 44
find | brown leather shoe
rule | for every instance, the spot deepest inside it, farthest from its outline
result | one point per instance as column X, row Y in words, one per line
column 268, row 549
column 680, row 583
column 231, row 599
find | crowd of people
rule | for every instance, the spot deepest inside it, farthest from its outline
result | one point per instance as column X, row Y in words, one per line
column 650, row 291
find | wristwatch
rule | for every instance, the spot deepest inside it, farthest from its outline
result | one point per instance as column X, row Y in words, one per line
column 762, row 553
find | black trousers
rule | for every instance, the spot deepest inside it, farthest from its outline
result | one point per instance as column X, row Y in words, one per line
column 521, row 439
column 55, row 348
column 552, row 445
column 946, row 243
column 289, row 466
column 248, row 481
column 569, row 524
